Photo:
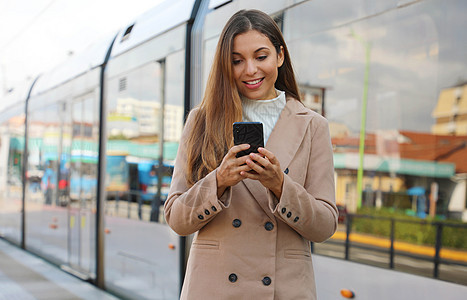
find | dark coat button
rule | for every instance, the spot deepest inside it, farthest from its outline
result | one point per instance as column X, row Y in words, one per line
column 296, row 219
column 266, row 280
column 214, row 208
column 201, row 217
column 207, row 212
column 286, row 171
column 232, row 277
column 236, row 223
column 289, row 214
column 283, row 210
column 269, row 226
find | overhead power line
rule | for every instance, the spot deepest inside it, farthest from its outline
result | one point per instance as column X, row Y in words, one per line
column 26, row 27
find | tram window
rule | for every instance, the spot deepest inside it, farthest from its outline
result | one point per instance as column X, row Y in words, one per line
column 87, row 130
column 127, row 33
column 279, row 19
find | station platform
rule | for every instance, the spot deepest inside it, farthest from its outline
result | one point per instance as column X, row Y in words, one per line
column 24, row 276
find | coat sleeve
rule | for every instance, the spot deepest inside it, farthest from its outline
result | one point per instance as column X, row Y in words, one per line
column 310, row 209
column 188, row 209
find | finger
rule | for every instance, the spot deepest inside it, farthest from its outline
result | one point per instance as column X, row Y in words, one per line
column 242, row 160
column 243, row 168
column 263, row 161
column 250, row 175
column 270, row 156
column 254, row 166
column 237, row 148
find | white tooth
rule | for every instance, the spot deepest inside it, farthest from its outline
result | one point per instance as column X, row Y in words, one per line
column 254, row 82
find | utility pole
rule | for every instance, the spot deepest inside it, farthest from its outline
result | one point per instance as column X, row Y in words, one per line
column 361, row 147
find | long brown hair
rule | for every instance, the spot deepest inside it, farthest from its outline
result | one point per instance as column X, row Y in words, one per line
column 211, row 135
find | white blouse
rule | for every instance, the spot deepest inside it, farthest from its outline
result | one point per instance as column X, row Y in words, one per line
column 264, row 111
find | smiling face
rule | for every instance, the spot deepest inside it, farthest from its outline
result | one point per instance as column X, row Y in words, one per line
column 255, row 63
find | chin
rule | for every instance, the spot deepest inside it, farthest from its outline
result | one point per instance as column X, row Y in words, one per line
column 255, row 96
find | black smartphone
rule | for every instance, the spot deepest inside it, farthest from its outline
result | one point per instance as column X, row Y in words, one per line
column 248, row 133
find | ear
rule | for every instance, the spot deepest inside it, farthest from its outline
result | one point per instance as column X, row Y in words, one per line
column 280, row 57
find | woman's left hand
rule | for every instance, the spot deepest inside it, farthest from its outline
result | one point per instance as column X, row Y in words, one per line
column 267, row 170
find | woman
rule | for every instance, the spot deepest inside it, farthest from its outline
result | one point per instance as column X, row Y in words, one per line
column 252, row 216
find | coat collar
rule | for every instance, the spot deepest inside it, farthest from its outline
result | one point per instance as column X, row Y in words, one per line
column 284, row 141
column 289, row 131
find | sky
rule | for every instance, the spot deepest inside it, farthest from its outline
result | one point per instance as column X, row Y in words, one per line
column 415, row 51
column 36, row 35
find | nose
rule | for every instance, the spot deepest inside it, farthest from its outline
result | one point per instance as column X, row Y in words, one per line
column 250, row 67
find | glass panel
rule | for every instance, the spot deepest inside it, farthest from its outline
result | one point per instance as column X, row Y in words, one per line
column 61, row 202
column 395, row 80
column 89, row 184
column 208, row 56
column 76, row 183
column 133, row 126
column 173, row 118
column 83, row 184
column 411, row 67
column 307, row 17
column 45, row 215
column 137, row 240
column 11, row 155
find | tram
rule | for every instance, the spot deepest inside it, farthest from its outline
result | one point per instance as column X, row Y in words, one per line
column 87, row 149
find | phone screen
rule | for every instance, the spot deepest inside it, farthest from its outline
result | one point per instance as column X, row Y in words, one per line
column 248, row 133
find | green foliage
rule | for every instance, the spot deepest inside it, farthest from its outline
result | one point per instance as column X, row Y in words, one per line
column 455, row 237
column 119, row 136
column 408, row 228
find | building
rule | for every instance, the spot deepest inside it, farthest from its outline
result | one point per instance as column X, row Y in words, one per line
column 451, row 111
column 395, row 162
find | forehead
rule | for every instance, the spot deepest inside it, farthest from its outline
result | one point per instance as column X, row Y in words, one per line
column 251, row 41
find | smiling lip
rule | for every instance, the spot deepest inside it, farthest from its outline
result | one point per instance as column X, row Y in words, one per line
column 254, row 84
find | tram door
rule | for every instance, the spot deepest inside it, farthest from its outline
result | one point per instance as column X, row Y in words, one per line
column 83, row 185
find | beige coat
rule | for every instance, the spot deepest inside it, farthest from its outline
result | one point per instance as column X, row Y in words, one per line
column 249, row 244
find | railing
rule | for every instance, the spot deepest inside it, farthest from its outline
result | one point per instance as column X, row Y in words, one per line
column 436, row 259
column 132, row 204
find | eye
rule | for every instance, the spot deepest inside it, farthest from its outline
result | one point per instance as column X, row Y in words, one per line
column 262, row 57
column 236, row 61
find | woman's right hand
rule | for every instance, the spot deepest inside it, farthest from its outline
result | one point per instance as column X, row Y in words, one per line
column 228, row 173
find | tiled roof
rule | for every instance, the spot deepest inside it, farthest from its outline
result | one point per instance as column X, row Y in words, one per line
column 442, row 148
column 411, row 145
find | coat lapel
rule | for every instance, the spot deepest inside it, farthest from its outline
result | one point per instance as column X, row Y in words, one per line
column 284, row 141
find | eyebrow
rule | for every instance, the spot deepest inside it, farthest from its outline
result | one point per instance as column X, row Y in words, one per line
column 257, row 50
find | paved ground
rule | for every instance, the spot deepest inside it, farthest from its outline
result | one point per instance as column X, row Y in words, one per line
column 24, row 276
column 370, row 283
